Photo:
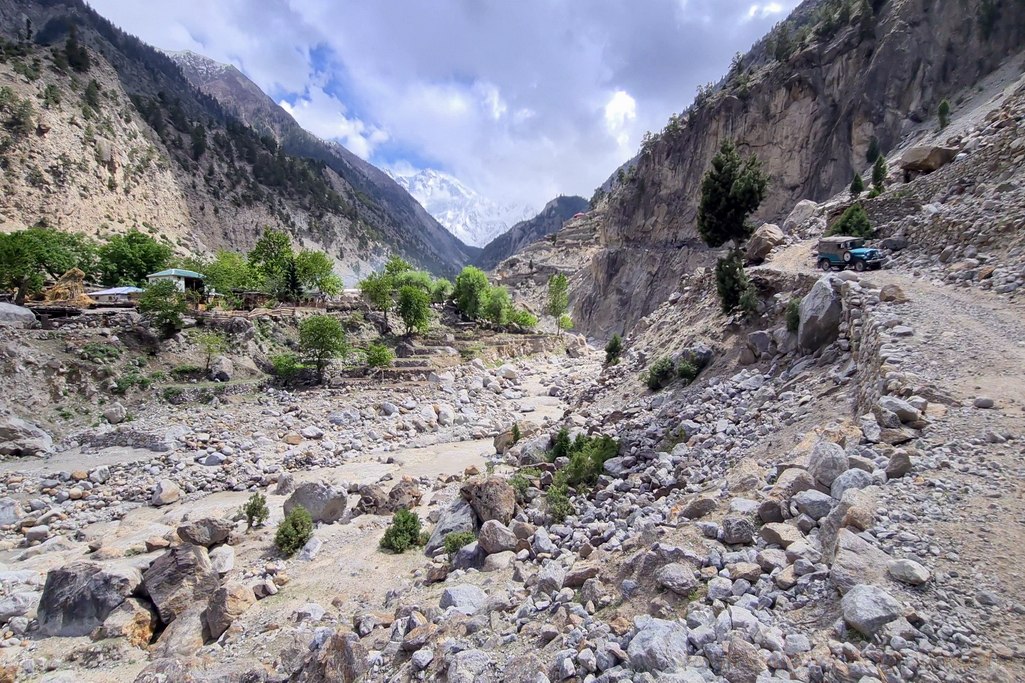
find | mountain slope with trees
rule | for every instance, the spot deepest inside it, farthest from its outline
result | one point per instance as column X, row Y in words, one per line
column 549, row 221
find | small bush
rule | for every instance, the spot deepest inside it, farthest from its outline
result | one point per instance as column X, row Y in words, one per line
column 255, row 510
column 613, row 349
column 660, row 374
column 557, row 500
column 294, row 530
column 879, row 172
column 516, row 435
column 129, row 380
column 732, row 283
column 793, row 314
column 458, row 539
column 853, row 222
column 172, row 394
column 874, row 192
column 561, row 447
column 687, row 370
column 100, row 353
column 588, row 457
column 404, row 532
column 183, row 371
column 379, row 356
column 523, row 318
column 521, row 481
column 286, row 366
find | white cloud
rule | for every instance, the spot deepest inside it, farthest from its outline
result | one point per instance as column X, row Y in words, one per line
column 520, row 100
column 620, row 113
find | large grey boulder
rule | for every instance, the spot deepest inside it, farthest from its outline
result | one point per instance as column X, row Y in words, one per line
column 178, row 579
column 206, row 532
column 221, row 369
column 18, row 604
column 10, row 511
column 802, row 212
column 459, row 516
column 465, row 598
column 677, row 577
column 820, row 312
column 20, row 437
column 868, row 608
column 763, row 240
column 16, row 316
column 78, row 597
column 659, row 646
column 926, row 158
column 851, row 479
column 226, row 605
column 495, row 537
column 856, row 561
column 324, row 502
column 827, row 462
column 165, row 493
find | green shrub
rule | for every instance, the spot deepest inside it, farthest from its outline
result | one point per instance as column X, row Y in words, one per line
column 557, row 499
column 879, row 172
column 873, row 151
column 172, row 394
column 853, row 222
column 793, row 314
column 458, row 539
column 255, row 510
column 379, row 356
column 857, row 185
column 128, row 380
column 561, row 447
column 732, row 283
column 521, row 481
column 516, row 435
column 294, row 530
column 523, row 318
column 874, row 192
column 100, row 353
column 186, row 370
column 943, row 114
column 404, row 532
column 686, row 370
column 613, row 349
column 164, row 306
column 286, row 366
column 660, row 374
column 588, row 457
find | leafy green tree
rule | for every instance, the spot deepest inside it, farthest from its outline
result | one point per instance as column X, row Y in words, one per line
column 879, row 173
column 164, row 305
column 523, row 318
column 255, row 510
column 212, row 344
column 379, row 356
column 853, row 222
column 558, row 296
column 75, row 53
column 731, row 282
column 129, row 258
column 441, row 290
column 498, row 307
column 286, row 366
column 376, row 289
column 396, row 265
column 731, row 190
column 20, row 267
column 414, row 308
column 857, row 185
column 413, row 278
column 322, row 339
column 271, row 255
column 316, row 271
column 471, row 291
column 27, row 257
column 565, row 323
column 944, row 114
column 228, row 271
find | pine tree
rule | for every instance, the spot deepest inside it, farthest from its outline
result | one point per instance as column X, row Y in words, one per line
column 944, row 114
column 730, row 191
column 75, row 52
column 857, row 185
column 879, row 173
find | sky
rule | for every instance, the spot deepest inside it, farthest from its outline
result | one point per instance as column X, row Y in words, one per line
column 522, row 100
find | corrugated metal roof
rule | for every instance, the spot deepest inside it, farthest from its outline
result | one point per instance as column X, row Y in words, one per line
column 116, row 290
column 177, row 272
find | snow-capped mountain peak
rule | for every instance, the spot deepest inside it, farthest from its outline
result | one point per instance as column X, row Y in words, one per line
column 473, row 218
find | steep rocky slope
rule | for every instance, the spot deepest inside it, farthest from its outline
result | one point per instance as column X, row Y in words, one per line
column 810, row 118
column 146, row 149
column 550, row 220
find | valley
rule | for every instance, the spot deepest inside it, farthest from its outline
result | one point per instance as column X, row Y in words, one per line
column 648, row 437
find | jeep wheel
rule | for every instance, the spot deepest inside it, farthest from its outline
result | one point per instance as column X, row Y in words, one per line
column 847, row 257
column 824, row 265
column 859, row 266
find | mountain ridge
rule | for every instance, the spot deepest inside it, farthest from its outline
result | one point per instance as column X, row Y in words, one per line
column 548, row 221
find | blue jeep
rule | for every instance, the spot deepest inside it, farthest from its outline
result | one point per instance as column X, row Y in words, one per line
column 847, row 252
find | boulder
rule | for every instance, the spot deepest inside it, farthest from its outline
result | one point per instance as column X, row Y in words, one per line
column 492, row 498
column 899, row 464
column 16, row 316
column 762, row 242
column 133, row 620
column 495, row 537
column 79, row 596
column 222, row 558
column 165, row 493
column 677, row 577
column 226, row 605
column 459, row 516
column 470, row 556
column 206, row 532
column 405, row 495
column 868, row 608
column 827, row 462
column 851, row 479
column 178, row 579
column 926, row 158
column 814, row 503
column 10, row 511
column 19, row 437
column 550, row 578
column 737, row 531
column 465, row 598
column 18, row 604
column 855, row 561
column 221, row 369
column 372, row 500
column 819, row 313
column 802, row 212
column 908, row 571
column 183, row 636
column 659, row 646
column 743, row 663
column 893, row 294
column 115, row 414
column 341, row 659
column 324, row 502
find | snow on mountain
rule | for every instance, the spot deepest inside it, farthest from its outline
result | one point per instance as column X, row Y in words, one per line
column 474, row 219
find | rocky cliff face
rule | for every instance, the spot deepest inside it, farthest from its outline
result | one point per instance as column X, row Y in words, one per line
column 146, row 149
column 810, row 118
column 549, row 221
